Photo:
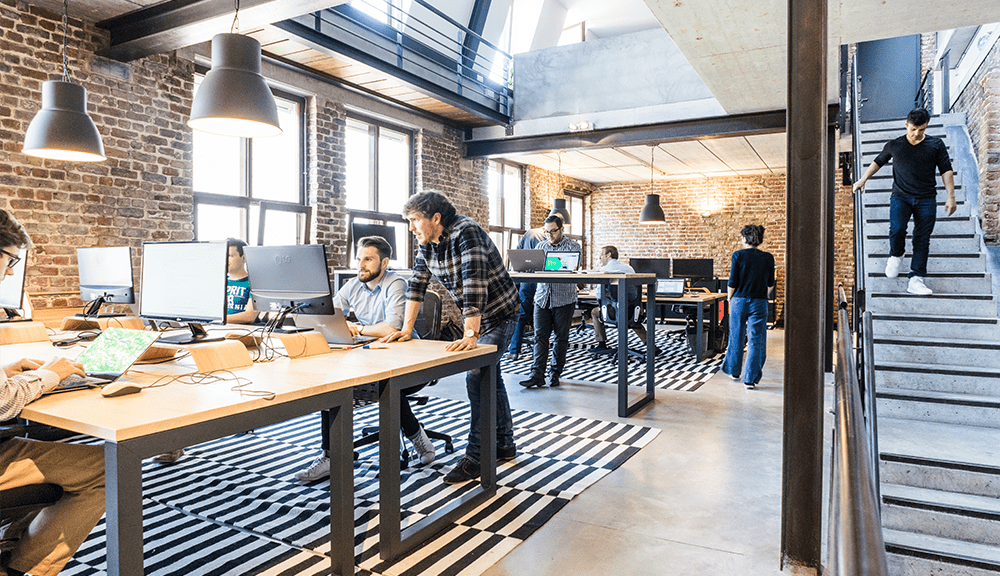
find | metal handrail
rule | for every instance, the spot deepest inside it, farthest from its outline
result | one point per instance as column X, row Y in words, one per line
column 856, row 543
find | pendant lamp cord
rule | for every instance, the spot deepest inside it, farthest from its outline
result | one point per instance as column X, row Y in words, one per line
column 65, row 22
column 652, row 149
column 235, row 28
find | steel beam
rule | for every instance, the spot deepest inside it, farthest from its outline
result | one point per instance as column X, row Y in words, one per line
column 807, row 212
column 178, row 23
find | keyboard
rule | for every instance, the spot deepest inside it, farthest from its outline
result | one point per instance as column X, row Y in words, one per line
column 76, row 382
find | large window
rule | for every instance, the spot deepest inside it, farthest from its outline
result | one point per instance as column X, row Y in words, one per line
column 253, row 189
column 506, row 202
column 379, row 180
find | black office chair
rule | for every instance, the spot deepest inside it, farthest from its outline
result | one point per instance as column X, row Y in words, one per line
column 428, row 327
column 609, row 315
column 18, row 502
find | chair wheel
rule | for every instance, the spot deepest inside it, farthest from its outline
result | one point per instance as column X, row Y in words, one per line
column 449, row 447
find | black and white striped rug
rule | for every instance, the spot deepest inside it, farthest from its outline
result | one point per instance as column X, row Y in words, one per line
column 232, row 507
column 676, row 368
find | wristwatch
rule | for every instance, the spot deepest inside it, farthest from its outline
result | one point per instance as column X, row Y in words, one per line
column 470, row 333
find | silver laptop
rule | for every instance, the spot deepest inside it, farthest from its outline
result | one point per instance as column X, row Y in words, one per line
column 670, row 287
column 560, row 261
column 333, row 327
column 108, row 357
column 526, row 260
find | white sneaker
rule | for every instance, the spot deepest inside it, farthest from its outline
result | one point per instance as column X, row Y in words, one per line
column 917, row 286
column 169, row 457
column 892, row 266
column 422, row 444
column 319, row 469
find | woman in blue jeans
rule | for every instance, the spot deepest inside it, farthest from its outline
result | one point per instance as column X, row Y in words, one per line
column 750, row 276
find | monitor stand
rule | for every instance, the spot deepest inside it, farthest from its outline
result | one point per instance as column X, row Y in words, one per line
column 93, row 310
column 197, row 336
column 11, row 315
column 279, row 324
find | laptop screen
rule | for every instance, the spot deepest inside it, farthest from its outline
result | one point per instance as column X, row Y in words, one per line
column 670, row 287
column 115, row 350
column 562, row 261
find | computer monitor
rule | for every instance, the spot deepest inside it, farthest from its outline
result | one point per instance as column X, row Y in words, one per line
column 12, row 291
column 105, row 276
column 693, row 268
column 289, row 279
column 359, row 231
column 658, row 266
column 184, row 282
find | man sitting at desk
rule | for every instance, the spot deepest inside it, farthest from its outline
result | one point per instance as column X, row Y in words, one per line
column 377, row 296
column 554, row 306
column 610, row 264
column 42, row 543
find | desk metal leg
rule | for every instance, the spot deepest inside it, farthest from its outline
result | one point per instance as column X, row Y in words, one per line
column 123, row 504
column 624, row 409
column 394, row 542
column 342, row 485
column 700, row 332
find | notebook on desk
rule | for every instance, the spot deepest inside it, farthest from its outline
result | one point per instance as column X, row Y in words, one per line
column 108, row 357
column 556, row 261
column 333, row 327
column 526, row 260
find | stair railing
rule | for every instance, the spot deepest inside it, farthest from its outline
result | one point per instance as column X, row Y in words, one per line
column 855, row 531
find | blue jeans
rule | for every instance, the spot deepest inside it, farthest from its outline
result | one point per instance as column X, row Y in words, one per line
column 747, row 315
column 924, row 212
column 547, row 321
column 527, row 295
column 500, row 337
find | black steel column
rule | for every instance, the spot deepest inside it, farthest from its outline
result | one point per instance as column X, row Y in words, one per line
column 806, row 283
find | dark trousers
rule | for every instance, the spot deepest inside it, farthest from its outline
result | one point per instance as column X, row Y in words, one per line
column 527, row 295
column 407, row 420
column 924, row 212
column 550, row 321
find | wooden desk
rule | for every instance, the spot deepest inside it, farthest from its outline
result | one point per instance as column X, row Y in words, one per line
column 174, row 416
column 624, row 281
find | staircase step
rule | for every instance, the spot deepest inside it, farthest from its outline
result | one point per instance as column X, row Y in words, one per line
column 952, row 378
column 939, row 283
column 938, row 351
column 918, row 326
column 946, row 407
column 941, row 513
column 879, row 192
column 948, row 225
column 879, row 210
column 912, row 554
column 936, row 261
column 960, row 477
column 936, row 124
column 940, row 304
column 974, row 445
column 942, row 244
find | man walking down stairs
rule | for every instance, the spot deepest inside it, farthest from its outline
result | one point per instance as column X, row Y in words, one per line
column 937, row 375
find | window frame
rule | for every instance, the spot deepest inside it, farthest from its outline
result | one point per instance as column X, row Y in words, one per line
column 245, row 200
column 507, row 232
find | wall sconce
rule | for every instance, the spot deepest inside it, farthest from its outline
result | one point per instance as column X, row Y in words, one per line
column 581, row 126
column 62, row 130
column 706, row 213
column 234, row 99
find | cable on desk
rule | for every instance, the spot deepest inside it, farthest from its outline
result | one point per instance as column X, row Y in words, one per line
column 203, row 378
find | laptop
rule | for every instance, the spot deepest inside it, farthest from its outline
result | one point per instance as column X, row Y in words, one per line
column 526, row 260
column 556, row 261
column 333, row 327
column 670, row 287
column 108, row 357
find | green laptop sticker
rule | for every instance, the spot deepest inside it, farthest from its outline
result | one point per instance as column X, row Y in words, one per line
column 116, row 349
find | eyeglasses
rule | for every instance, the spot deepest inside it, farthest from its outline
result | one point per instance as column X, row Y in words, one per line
column 553, row 231
column 12, row 259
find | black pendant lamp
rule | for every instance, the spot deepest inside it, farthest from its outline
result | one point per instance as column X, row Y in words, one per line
column 559, row 204
column 651, row 212
column 234, row 99
column 62, row 130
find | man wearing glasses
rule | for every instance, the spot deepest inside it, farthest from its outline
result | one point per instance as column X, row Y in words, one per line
column 554, row 306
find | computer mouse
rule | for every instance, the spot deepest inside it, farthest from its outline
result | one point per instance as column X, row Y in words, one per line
column 120, row 389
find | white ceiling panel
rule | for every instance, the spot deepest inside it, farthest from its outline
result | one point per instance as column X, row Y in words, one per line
column 772, row 148
column 735, row 152
column 609, row 156
column 696, row 156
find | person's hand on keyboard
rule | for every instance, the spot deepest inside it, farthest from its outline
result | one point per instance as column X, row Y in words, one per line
column 64, row 367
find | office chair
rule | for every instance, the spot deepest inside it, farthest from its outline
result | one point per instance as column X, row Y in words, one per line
column 428, row 327
column 609, row 314
column 21, row 501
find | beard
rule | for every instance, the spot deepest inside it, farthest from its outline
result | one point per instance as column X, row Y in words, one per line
column 367, row 275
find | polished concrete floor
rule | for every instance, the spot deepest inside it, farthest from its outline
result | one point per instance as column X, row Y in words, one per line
column 703, row 498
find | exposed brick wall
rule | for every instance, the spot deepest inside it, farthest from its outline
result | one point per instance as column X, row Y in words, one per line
column 981, row 103
column 326, row 127
column 141, row 192
column 928, row 52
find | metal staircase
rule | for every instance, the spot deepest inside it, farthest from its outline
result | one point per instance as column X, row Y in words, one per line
column 937, row 376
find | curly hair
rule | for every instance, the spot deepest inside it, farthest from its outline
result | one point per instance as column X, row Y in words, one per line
column 753, row 234
column 427, row 204
column 12, row 233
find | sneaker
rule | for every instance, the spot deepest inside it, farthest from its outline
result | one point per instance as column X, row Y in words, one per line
column 169, row 457
column 506, row 454
column 554, row 380
column 319, row 469
column 892, row 266
column 917, row 286
column 601, row 348
column 749, row 385
column 532, row 382
column 464, row 471
column 734, row 378
column 422, row 444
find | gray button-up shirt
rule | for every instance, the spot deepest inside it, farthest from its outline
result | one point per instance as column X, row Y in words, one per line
column 555, row 295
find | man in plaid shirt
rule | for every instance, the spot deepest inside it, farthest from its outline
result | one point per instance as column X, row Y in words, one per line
column 463, row 257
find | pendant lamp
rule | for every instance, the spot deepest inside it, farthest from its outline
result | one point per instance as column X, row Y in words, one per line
column 651, row 212
column 559, row 204
column 62, row 130
column 234, row 99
